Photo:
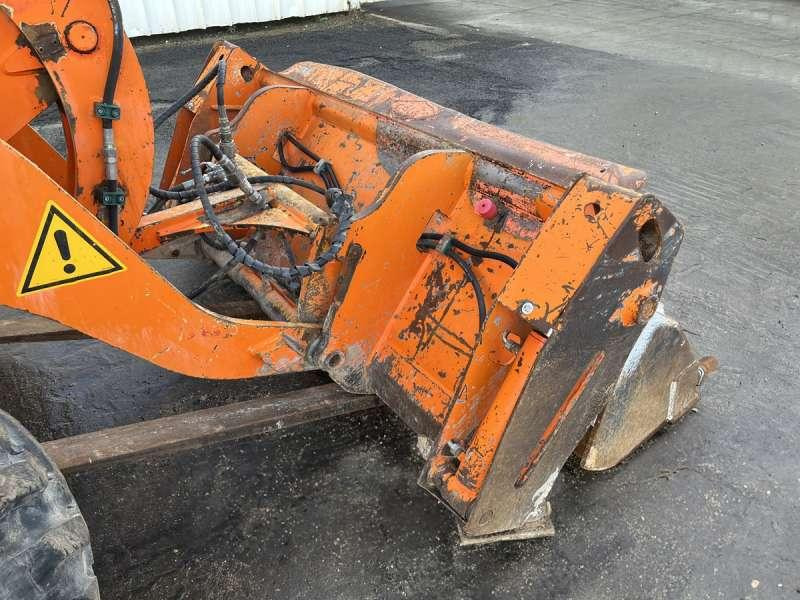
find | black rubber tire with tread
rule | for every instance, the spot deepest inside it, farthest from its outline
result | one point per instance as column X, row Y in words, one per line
column 45, row 552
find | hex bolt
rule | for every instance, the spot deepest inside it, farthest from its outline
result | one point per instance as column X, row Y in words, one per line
column 511, row 341
column 527, row 308
column 647, row 308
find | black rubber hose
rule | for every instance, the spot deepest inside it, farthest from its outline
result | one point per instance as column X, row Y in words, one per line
column 115, row 65
column 288, row 135
column 181, row 196
column 180, row 102
column 188, row 194
column 476, row 285
column 109, row 93
column 191, row 194
column 471, row 250
column 286, row 181
column 327, row 173
column 222, row 77
column 113, row 215
column 342, row 208
column 226, row 142
column 468, row 273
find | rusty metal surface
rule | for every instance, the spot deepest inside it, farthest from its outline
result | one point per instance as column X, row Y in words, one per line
column 138, row 308
column 587, row 331
column 489, row 289
column 704, row 509
column 554, row 164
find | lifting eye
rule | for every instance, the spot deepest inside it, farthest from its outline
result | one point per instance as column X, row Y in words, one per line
column 649, row 240
column 248, row 73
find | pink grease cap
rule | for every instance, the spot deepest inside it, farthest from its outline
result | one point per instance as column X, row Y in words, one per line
column 486, row 209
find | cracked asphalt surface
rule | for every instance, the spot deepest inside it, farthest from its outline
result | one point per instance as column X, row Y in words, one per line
column 708, row 509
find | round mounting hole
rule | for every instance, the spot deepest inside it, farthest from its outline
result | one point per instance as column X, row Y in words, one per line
column 649, row 240
column 248, row 73
column 591, row 210
column 334, row 359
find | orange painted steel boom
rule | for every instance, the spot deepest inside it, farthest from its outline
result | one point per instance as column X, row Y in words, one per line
column 500, row 294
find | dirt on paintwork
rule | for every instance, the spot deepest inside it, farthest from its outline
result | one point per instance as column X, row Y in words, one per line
column 708, row 509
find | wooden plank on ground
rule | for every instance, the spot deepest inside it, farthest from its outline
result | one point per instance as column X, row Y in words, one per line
column 204, row 427
column 30, row 328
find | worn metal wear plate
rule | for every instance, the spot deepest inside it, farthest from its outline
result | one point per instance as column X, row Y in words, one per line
column 574, row 373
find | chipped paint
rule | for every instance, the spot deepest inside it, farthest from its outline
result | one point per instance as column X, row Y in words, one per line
column 45, row 40
column 539, row 498
column 632, row 304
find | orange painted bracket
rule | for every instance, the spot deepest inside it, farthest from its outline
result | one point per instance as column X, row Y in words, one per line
column 130, row 307
column 566, row 249
column 73, row 78
column 579, row 363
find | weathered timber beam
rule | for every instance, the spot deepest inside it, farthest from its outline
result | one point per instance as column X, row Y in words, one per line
column 204, row 427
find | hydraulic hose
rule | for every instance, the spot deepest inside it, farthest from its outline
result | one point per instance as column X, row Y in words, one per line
column 476, row 286
column 180, row 102
column 321, row 167
column 226, row 142
column 111, row 183
column 471, row 250
column 469, row 274
column 341, row 206
column 188, row 194
column 112, row 78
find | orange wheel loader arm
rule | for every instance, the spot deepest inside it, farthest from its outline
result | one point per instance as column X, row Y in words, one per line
column 62, row 53
column 500, row 294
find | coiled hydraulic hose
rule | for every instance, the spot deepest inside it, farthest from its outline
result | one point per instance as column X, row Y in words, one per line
column 341, row 206
column 233, row 175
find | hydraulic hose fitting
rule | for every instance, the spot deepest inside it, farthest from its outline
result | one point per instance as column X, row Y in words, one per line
column 110, row 155
column 227, row 145
column 236, row 176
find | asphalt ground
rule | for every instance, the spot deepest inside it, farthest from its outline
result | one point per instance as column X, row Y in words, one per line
column 707, row 509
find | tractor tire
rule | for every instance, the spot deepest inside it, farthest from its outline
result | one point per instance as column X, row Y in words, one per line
column 45, row 552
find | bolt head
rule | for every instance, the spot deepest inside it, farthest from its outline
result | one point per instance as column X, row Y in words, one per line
column 527, row 308
column 647, row 308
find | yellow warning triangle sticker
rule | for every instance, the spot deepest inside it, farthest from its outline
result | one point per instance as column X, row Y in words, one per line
column 64, row 253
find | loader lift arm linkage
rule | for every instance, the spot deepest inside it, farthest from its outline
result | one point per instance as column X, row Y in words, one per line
column 500, row 294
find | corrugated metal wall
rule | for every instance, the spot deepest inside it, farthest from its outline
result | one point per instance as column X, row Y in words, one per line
column 148, row 17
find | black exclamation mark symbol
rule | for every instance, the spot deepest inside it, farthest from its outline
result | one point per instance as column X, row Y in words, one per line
column 63, row 248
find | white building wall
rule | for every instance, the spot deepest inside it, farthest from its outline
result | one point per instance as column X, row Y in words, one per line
column 148, row 17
